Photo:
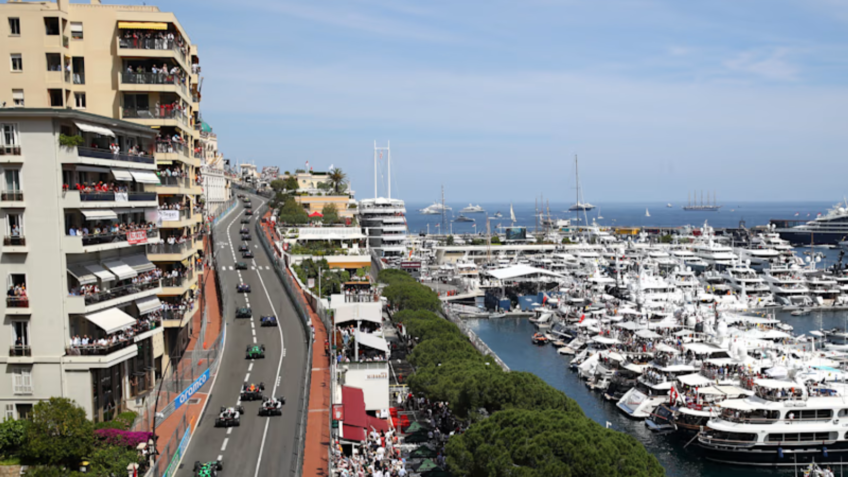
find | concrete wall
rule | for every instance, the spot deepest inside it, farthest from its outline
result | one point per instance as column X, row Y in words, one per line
column 373, row 379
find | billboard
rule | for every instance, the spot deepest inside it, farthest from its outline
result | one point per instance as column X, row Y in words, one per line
column 189, row 392
column 516, row 233
column 137, row 236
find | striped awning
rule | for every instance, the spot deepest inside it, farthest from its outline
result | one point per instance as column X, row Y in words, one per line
column 142, row 26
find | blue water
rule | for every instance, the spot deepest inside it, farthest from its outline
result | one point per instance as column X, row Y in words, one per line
column 620, row 214
column 510, row 339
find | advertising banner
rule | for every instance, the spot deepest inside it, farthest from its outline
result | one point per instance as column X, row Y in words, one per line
column 137, row 237
column 169, row 215
column 189, row 392
column 122, row 197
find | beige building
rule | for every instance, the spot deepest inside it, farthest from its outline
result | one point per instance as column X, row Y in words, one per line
column 133, row 63
column 82, row 318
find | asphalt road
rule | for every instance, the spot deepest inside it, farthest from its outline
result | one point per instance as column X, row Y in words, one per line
column 260, row 445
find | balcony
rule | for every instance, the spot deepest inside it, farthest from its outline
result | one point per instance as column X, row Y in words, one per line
column 20, row 350
column 151, row 48
column 14, row 244
column 10, row 153
column 16, row 305
column 175, row 151
column 105, row 157
column 12, row 199
column 77, row 304
column 154, row 82
column 105, row 358
column 73, row 199
column 155, row 117
column 178, row 285
column 177, row 218
column 177, row 318
column 163, row 252
column 107, row 241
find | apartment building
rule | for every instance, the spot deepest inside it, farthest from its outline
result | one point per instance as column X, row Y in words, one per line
column 81, row 317
column 128, row 62
column 216, row 184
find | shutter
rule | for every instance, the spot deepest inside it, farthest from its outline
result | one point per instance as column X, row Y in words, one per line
column 27, row 379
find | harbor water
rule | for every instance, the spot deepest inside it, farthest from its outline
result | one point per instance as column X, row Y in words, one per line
column 509, row 338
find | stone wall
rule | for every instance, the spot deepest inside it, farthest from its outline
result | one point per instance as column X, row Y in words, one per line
column 10, row 470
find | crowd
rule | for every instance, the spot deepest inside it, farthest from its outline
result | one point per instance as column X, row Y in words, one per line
column 109, row 230
column 155, row 75
column 86, row 344
column 152, row 40
column 378, row 456
column 172, row 172
column 134, row 150
column 348, row 348
column 174, row 205
column 177, row 309
column 144, row 278
column 18, row 294
column 169, row 143
column 99, row 187
column 359, row 295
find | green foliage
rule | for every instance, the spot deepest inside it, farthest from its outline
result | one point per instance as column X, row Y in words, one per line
column 290, row 184
column 292, row 213
column 338, row 179
column 12, row 433
column 666, row 238
column 316, row 248
column 112, row 460
column 391, row 276
column 278, row 185
column 331, row 215
column 58, row 434
column 450, row 240
column 495, row 240
column 412, row 296
column 363, row 271
column 531, row 443
column 71, row 141
column 122, row 421
column 566, row 240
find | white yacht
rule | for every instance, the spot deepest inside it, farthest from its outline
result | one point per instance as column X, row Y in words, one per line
column 745, row 281
column 788, row 286
column 689, row 259
column 760, row 256
column 824, row 289
column 652, row 388
column 715, row 254
column 435, row 209
column 472, row 209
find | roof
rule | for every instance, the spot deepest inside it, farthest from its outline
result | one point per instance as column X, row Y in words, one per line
column 694, row 379
column 372, row 341
column 701, row 348
column 72, row 114
column 366, row 311
column 205, row 127
column 519, row 271
column 377, row 424
column 329, row 233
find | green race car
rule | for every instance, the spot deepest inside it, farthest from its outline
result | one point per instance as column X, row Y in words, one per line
column 241, row 266
column 255, row 352
column 244, row 312
column 208, row 469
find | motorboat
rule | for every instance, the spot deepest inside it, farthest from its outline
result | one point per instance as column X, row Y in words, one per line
column 539, row 339
column 462, row 218
column 472, row 209
column 497, row 215
column 435, row 209
column 668, row 205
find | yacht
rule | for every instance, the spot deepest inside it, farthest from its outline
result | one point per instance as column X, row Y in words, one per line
column 435, row 209
column 497, row 215
column 828, row 229
column 581, row 206
column 745, row 281
column 788, row 286
column 824, row 289
column 462, row 218
column 715, row 254
column 472, row 209
column 760, row 256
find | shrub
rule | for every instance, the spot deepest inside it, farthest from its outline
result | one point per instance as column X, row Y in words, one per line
column 58, row 434
column 122, row 421
column 70, row 141
column 121, row 438
column 12, row 433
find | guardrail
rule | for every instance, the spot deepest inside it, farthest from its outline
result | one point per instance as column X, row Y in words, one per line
column 478, row 343
column 300, row 306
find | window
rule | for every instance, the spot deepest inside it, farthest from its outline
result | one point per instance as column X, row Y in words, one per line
column 76, row 30
column 18, row 97
column 9, row 142
column 51, row 26
column 15, row 226
column 20, row 338
column 80, row 100
column 56, row 100
column 23, row 380
column 13, row 180
column 54, row 62
column 17, row 62
column 24, row 410
column 14, row 26
column 10, row 412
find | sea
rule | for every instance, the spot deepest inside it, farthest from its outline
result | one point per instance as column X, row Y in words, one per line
column 509, row 338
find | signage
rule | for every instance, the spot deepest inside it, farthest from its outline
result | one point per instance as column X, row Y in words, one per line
column 169, row 215
column 189, row 392
column 121, row 197
column 173, row 465
column 338, row 412
column 310, row 283
column 137, row 236
column 409, row 265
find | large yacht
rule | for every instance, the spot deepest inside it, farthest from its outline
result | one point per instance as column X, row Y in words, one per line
column 717, row 255
column 787, row 285
column 435, row 209
column 744, row 280
column 472, row 209
column 828, row 229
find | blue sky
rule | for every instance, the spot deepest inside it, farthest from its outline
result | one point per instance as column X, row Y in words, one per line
column 493, row 99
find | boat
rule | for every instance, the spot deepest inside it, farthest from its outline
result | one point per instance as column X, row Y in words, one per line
column 694, row 206
column 497, row 315
column 539, row 339
column 497, row 215
column 579, row 206
column 647, row 214
column 600, row 217
column 435, row 209
column 668, row 205
column 472, row 209
column 830, row 228
column 801, row 312
column 462, row 218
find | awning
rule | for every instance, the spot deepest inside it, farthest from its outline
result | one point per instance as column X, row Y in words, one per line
column 95, row 129
column 142, row 26
column 354, row 407
column 148, row 304
column 101, row 272
column 121, row 269
column 377, row 424
column 145, row 177
column 100, row 214
column 694, row 379
column 372, row 341
column 103, row 170
column 139, row 263
column 83, row 276
column 122, row 175
column 111, row 320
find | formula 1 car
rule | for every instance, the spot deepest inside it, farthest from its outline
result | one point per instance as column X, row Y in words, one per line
column 208, row 469
column 244, row 230
column 241, row 266
column 255, row 352
column 247, row 254
column 245, row 237
column 248, row 212
column 243, row 288
column 272, row 407
column 252, row 392
column 245, row 220
column 247, row 205
column 229, row 417
column 268, row 321
column 244, row 312
column 243, row 247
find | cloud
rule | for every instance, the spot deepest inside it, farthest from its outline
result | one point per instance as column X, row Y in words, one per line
column 771, row 65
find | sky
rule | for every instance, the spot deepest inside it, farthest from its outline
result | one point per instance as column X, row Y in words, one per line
column 493, row 99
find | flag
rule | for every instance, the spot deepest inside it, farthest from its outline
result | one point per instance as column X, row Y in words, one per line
column 582, row 317
column 544, row 299
column 673, row 395
column 307, row 164
column 331, row 168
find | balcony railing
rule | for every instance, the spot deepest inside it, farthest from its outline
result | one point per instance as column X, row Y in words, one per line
column 177, row 281
column 95, row 349
column 109, row 155
column 10, row 150
column 79, row 78
column 151, row 44
column 182, row 214
column 152, row 78
column 165, row 248
column 118, row 292
column 14, row 241
column 154, row 113
column 171, row 147
column 20, row 350
column 17, row 302
column 110, row 196
column 100, row 239
column 175, row 181
column 12, row 196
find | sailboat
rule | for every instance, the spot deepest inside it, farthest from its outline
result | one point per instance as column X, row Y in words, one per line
column 579, row 206
column 668, row 205
column 647, row 214
column 599, row 214
column 511, row 214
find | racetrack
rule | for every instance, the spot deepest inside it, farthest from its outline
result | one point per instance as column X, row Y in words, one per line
column 260, row 445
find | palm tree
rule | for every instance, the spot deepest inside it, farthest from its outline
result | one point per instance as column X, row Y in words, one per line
column 337, row 179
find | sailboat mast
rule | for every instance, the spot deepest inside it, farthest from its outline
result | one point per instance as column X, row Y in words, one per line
column 577, row 188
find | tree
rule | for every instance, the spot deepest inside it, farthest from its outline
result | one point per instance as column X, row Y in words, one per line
column 496, row 240
column 292, row 213
column 337, row 178
column 58, row 434
column 450, row 240
column 331, row 215
column 278, row 185
column 290, row 184
column 112, row 460
column 12, row 433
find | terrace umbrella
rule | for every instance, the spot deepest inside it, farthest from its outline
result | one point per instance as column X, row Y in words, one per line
column 414, row 427
column 422, row 451
column 316, row 214
column 420, row 436
column 428, row 464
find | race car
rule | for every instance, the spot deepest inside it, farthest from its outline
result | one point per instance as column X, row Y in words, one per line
column 243, row 247
column 255, row 352
column 244, row 230
column 247, row 205
column 248, row 212
column 252, row 392
column 247, row 254
column 243, row 288
column 245, row 237
column 241, row 196
column 245, row 220
column 272, row 407
column 208, row 469
column 244, row 312
column 268, row 321
column 229, row 417
column 241, row 266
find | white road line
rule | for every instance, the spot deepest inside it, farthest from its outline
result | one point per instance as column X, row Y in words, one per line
column 231, row 267
column 224, row 446
column 246, row 377
column 230, row 429
column 253, row 331
column 250, row 367
column 220, row 457
column 254, row 340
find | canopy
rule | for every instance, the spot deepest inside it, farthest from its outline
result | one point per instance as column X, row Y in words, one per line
column 372, row 341
column 100, row 214
column 356, row 421
column 694, row 379
column 122, row 175
column 145, row 177
column 101, row 272
column 711, row 390
column 647, row 334
column 139, row 263
column 111, row 320
column 732, row 390
column 91, row 128
column 604, row 340
column 121, row 269
column 83, row 276
column 666, row 348
column 367, row 311
column 316, row 214
column 148, row 304
column 517, row 271
column 142, row 26
column 378, row 424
